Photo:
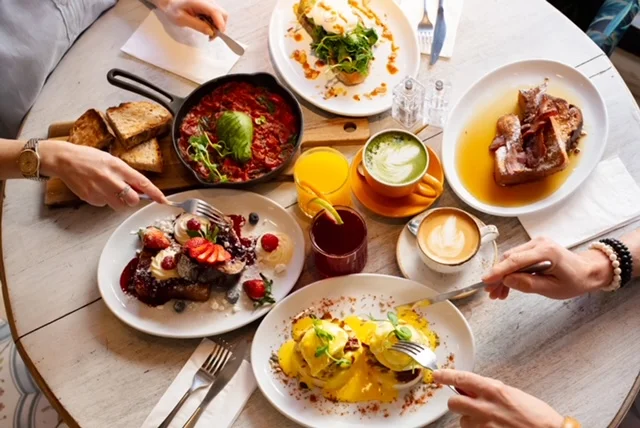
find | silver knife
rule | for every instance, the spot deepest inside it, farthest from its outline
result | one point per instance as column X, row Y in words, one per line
column 533, row 269
column 439, row 34
column 230, row 369
column 233, row 45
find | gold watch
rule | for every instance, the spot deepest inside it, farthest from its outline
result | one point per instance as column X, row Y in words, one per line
column 29, row 161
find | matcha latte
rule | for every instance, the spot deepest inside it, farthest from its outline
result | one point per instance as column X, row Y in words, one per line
column 396, row 158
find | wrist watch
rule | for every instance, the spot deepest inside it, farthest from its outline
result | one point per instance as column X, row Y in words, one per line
column 29, row 161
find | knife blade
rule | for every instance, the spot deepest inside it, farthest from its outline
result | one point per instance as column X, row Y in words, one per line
column 233, row 45
column 439, row 33
column 223, row 378
column 533, row 269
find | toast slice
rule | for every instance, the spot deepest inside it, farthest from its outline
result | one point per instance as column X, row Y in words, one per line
column 137, row 122
column 91, row 129
column 143, row 157
column 517, row 163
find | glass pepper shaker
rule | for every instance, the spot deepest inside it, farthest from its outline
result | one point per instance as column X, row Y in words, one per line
column 408, row 102
column 438, row 95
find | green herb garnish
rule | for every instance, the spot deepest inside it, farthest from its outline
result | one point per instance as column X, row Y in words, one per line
column 326, row 337
column 199, row 147
column 267, row 103
column 268, row 298
column 350, row 53
column 401, row 332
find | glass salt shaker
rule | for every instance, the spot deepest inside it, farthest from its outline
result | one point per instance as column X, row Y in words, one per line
column 408, row 102
column 438, row 95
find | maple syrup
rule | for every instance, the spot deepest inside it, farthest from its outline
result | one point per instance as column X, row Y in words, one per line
column 475, row 163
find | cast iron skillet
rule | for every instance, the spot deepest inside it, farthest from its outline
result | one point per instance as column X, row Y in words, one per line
column 179, row 107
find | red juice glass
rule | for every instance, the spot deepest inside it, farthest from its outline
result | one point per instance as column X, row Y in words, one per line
column 339, row 249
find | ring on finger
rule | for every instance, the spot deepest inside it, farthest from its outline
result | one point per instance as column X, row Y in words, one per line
column 123, row 193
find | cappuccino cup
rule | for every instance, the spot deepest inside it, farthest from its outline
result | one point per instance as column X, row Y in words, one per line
column 448, row 238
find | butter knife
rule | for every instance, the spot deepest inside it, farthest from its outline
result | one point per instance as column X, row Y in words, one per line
column 439, row 34
column 233, row 45
column 227, row 373
column 533, row 269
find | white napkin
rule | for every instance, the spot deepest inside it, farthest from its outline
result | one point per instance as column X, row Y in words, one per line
column 414, row 10
column 221, row 412
column 182, row 51
column 608, row 199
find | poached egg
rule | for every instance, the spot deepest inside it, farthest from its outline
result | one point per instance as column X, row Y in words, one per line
column 335, row 16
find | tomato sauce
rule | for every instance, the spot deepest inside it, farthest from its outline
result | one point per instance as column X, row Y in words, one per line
column 274, row 137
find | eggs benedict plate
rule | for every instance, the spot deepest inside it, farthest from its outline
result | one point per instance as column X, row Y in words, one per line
column 344, row 56
column 323, row 355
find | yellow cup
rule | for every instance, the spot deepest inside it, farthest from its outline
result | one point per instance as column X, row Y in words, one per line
column 322, row 170
column 424, row 184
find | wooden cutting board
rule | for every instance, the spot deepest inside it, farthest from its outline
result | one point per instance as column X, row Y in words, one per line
column 176, row 178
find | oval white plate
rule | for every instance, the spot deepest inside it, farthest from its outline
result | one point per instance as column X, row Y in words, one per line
column 521, row 75
column 282, row 46
column 368, row 291
column 199, row 319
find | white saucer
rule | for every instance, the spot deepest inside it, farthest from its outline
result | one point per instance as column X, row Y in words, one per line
column 413, row 268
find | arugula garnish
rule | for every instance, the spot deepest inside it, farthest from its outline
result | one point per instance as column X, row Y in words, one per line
column 199, row 144
column 350, row 53
column 401, row 332
column 326, row 337
column 268, row 298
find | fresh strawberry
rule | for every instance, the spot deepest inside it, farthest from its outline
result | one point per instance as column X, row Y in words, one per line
column 213, row 257
column 200, row 249
column 153, row 238
column 193, row 243
column 207, row 253
column 223, row 255
column 269, row 242
column 259, row 290
column 168, row 263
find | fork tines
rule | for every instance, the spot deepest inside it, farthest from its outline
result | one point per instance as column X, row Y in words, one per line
column 206, row 210
column 407, row 347
column 425, row 38
column 216, row 360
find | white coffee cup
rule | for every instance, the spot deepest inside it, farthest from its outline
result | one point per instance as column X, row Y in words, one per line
column 443, row 231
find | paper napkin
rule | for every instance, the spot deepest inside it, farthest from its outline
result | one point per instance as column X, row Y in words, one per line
column 607, row 200
column 414, row 9
column 182, row 51
column 221, row 412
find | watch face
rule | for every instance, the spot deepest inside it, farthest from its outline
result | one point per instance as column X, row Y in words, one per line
column 28, row 163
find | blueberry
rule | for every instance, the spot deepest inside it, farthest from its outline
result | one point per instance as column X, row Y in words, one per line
column 254, row 218
column 233, row 295
column 179, row 306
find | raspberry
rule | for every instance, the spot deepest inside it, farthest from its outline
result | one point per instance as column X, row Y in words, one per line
column 269, row 242
column 168, row 263
column 194, row 225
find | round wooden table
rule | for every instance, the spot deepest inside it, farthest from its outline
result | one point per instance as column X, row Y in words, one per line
column 582, row 356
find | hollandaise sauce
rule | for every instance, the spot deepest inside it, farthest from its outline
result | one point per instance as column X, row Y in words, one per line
column 319, row 349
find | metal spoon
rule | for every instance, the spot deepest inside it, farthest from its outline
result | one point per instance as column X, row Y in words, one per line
column 233, row 45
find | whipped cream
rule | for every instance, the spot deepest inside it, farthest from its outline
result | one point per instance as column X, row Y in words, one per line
column 446, row 239
column 180, row 231
column 335, row 16
column 279, row 257
column 157, row 271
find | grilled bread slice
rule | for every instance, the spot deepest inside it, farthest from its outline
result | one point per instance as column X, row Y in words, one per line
column 91, row 129
column 143, row 157
column 137, row 122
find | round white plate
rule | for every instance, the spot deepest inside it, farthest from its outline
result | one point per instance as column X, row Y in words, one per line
column 522, row 75
column 282, row 46
column 199, row 319
column 413, row 268
column 368, row 293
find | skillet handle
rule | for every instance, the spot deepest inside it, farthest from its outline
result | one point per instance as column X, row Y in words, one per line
column 118, row 77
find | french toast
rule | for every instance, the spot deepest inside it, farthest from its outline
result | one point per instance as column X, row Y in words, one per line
column 143, row 157
column 137, row 122
column 540, row 144
column 91, row 129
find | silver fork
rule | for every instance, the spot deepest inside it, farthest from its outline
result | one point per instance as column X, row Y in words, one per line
column 200, row 208
column 423, row 356
column 425, row 31
column 205, row 376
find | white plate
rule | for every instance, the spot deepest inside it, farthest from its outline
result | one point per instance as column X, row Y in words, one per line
column 282, row 47
column 199, row 319
column 368, row 291
column 413, row 268
column 521, row 75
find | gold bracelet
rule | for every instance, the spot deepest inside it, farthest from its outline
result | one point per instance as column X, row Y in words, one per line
column 570, row 422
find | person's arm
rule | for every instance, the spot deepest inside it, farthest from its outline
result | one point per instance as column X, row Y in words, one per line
column 185, row 14
column 95, row 176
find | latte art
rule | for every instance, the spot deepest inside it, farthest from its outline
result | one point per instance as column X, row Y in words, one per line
column 396, row 158
column 446, row 239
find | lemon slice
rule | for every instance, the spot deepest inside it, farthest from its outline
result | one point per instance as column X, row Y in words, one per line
column 313, row 190
column 331, row 211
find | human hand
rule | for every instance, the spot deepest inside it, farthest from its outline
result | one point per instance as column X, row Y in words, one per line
column 95, row 176
column 570, row 275
column 185, row 14
column 492, row 404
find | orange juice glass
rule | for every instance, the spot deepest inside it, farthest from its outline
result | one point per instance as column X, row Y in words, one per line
column 326, row 170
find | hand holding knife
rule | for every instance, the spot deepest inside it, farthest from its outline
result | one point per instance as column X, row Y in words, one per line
column 233, row 45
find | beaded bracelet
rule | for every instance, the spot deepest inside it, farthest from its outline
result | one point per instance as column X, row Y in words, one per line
column 624, row 257
column 611, row 254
